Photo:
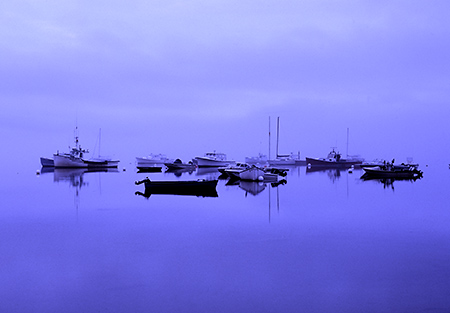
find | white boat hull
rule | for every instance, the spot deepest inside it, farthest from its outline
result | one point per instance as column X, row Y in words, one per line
column 205, row 162
column 143, row 161
column 282, row 162
column 68, row 161
column 252, row 174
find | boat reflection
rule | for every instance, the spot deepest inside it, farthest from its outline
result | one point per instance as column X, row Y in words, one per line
column 180, row 171
column 74, row 176
column 388, row 182
column 254, row 187
column 333, row 173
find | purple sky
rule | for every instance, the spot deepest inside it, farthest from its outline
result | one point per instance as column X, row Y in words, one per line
column 187, row 77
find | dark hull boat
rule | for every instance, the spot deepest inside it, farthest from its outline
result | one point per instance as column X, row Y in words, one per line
column 179, row 165
column 391, row 172
column 199, row 188
column 47, row 162
column 333, row 160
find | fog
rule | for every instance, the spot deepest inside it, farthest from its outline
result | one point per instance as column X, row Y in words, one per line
column 184, row 78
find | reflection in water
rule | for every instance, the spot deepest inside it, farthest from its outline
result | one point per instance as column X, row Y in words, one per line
column 254, row 187
column 75, row 177
column 333, row 173
column 180, row 171
column 388, row 182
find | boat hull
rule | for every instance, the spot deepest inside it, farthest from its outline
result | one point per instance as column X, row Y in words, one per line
column 252, row 174
column 102, row 163
column 153, row 159
column 46, row 162
column 66, row 161
column 206, row 162
column 331, row 163
column 376, row 172
column 199, row 188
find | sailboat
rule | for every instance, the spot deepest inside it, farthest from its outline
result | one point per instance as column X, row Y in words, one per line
column 100, row 161
column 282, row 159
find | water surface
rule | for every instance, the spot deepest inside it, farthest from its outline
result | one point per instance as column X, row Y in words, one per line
column 326, row 241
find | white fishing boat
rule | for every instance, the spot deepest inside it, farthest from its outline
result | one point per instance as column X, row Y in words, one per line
column 153, row 159
column 213, row 159
column 72, row 159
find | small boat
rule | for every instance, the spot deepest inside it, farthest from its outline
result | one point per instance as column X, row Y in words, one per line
column 47, row 162
column 255, row 173
column 233, row 171
column 100, row 162
column 260, row 159
column 152, row 159
column 213, row 159
column 283, row 160
column 392, row 171
column 334, row 159
column 252, row 173
column 178, row 165
column 199, row 188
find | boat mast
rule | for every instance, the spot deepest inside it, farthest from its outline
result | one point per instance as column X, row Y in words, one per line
column 99, row 140
column 347, row 142
column 269, row 139
column 278, row 132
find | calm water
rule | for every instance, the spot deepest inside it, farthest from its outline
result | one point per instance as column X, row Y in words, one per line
column 324, row 242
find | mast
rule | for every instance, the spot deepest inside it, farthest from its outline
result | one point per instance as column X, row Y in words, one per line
column 269, row 139
column 347, row 142
column 278, row 132
column 99, row 140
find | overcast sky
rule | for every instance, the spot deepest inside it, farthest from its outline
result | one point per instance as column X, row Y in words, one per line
column 187, row 77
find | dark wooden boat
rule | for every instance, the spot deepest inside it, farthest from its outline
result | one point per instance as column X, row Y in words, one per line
column 333, row 160
column 179, row 165
column 199, row 188
column 392, row 172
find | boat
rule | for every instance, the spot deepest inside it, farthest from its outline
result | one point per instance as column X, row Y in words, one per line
column 179, row 165
column 101, row 161
column 255, row 173
column 199, row 188
column 47, row 162
column 73, row 159
column 283, row 159
column 213, row 159
column 374, row 163
column 334, row 159
column 260, row 159
column 252, row 173
column 390, row 170
column 153, row 159
column 233, row 171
